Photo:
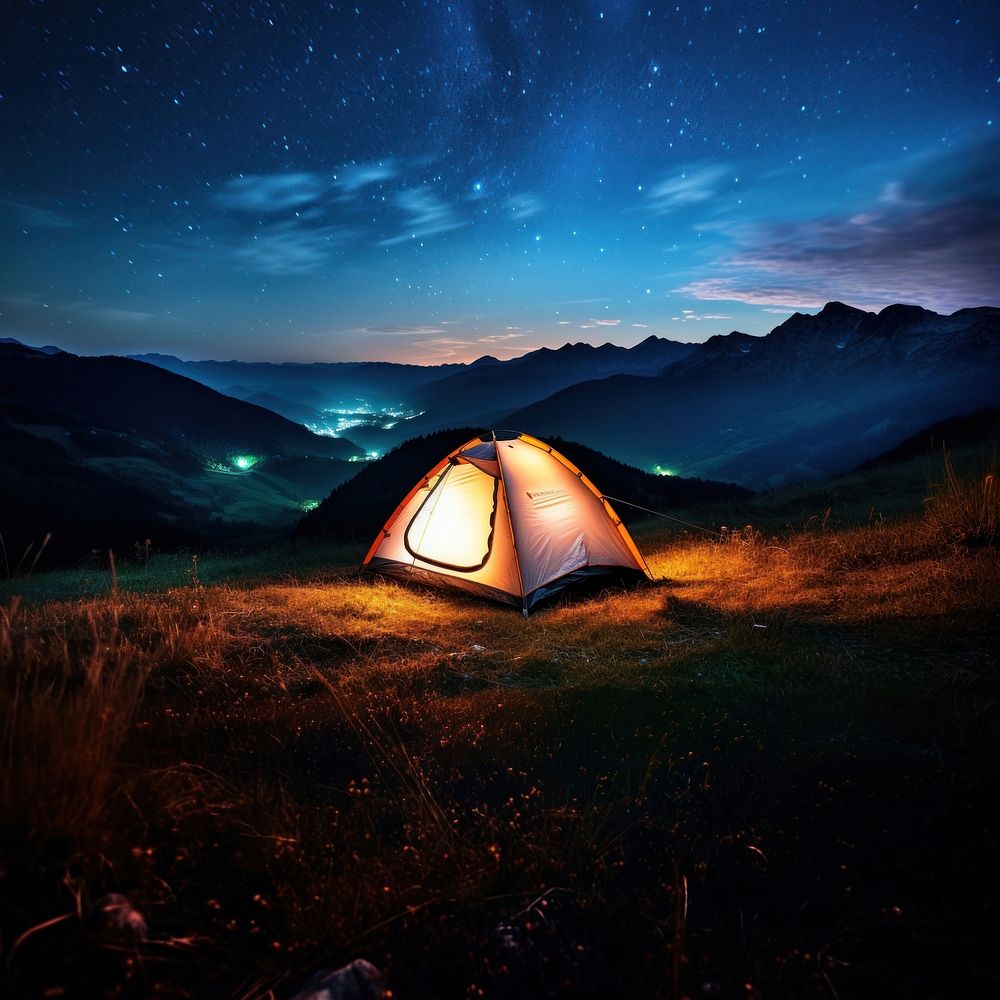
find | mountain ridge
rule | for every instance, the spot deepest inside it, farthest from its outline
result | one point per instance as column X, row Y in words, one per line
column 819, row 393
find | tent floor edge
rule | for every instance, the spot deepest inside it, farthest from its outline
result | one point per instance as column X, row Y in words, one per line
column 439, row 581
column 583, row 580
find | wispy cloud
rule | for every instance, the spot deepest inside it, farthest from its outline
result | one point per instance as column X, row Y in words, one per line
column 523, row 206
column 931, row 238
column 606, row 322
column 404, row 330
column 269, row 193
column 689, row 315
column 353, row 177
column 691, row 187
column 107, row 314
column 290, row 248
column 496, row 338
column 79, row 311
column 428, row 216
column 740, row 289
column 36, row 216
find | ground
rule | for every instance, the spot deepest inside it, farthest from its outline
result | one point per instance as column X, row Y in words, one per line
column 772, row 772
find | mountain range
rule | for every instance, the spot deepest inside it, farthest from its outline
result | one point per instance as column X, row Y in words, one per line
column 817, row 395
column 115, row 449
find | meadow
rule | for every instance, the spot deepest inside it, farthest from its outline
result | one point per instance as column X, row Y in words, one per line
column 773, row 772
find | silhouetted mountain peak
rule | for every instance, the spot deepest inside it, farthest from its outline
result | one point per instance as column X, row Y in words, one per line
column 904, row 311
column 977, row 312
column 837, row 309
column 15, row 344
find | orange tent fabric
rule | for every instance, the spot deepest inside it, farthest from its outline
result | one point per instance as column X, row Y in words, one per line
column 508, row 518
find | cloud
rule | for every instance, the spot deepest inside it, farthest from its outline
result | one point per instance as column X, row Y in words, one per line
column 523, row 206
column 352, row 178
column 36, row 216
column 289, row 248
column 428, row 216
column 269, row 193
column 38, row 313
column 689, row 315
column 107, row 314
column 496, row 338
column 691, row 187
column 399, row 331
column 730, row 290
column 935, row 241
column 606, row 322
column 579, row 302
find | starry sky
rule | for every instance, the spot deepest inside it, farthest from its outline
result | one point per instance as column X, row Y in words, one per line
column 427, row 181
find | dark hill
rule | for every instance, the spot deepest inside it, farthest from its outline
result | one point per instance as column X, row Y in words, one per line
column 980, row 427
column 358, row 508
column 105, row 452
column 82, row 506
column 132, row 398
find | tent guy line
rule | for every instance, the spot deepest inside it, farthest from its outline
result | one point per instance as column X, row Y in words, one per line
column 669, row 517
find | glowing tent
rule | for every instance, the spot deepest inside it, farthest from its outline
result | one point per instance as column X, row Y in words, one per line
column 507, row 518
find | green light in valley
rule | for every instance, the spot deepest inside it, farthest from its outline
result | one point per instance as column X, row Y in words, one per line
column 663, row 471
column 244, row 462
column 308, row 505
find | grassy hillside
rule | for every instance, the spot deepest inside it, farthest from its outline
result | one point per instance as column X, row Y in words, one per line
column 774, row 772
column 107, row 452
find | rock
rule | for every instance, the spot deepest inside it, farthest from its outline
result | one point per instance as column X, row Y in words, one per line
column 359, row 980
column 114, row 920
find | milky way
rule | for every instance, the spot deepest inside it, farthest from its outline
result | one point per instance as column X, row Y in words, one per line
column 434, row 181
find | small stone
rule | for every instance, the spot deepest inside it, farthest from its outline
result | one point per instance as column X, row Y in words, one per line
column 359, row 980
column 114, row 920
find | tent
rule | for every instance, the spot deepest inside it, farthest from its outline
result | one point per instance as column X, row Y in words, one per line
column 507, row 518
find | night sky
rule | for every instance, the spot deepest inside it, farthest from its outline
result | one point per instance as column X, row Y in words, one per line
column 434, row 181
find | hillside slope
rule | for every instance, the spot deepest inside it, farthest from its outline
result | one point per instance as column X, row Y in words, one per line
column 817, row 395
column 104, row 452
column 772, row 772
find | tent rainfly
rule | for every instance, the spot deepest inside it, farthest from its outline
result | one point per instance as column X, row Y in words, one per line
column 509, row 519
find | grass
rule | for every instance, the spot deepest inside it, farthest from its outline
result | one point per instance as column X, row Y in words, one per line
column 773, row 772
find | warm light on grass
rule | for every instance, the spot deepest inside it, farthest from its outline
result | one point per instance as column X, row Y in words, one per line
column 334, row 757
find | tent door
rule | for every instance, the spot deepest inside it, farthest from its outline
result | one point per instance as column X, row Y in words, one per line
column 453, row 527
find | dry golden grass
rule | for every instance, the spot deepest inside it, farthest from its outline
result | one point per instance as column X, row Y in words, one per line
column 327, row 763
